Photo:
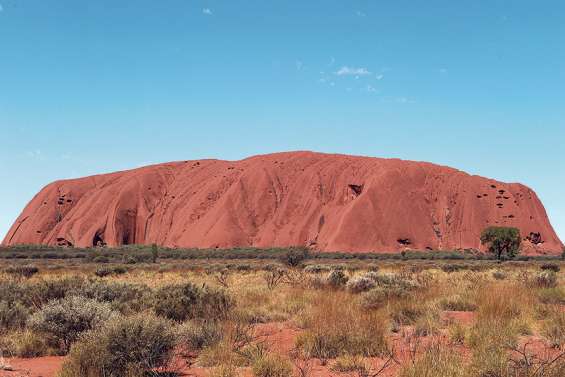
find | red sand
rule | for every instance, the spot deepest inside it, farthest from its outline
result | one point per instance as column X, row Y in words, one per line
column 281, row 337
column 36, row 367
column 327, row 202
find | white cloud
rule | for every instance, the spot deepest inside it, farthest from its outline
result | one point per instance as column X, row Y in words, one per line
column 371, row 89
column 1, row 8
column 207, row 11
column 352, row 71
column 35, row 154
column 380, row 76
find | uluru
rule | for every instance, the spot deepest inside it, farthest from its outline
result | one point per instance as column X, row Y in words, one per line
column 327, row 202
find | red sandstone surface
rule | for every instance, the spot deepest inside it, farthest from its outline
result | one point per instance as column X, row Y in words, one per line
column 324, row 201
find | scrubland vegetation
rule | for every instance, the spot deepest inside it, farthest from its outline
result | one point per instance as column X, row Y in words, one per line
column 157, row 313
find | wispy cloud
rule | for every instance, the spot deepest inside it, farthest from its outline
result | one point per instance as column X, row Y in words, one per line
column 443, row 70
column 360, row 14
column 352, row 71
column 299, row 65
column 1, row 8
column 370, row 89
column 207, row 11
column 380, row 76
column 35, row 154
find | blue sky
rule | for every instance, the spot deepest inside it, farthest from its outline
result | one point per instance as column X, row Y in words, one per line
column 96, row 86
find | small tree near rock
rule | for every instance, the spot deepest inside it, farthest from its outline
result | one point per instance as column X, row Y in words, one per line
column 154, row 253
column 295, row 256
column 504, row 242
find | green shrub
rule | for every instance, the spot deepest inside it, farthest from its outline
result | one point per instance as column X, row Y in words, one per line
column 393, row 280
column 122, row 296
column 129, row 259
column 550, row 267
column 316, row 268
column 360, row 284
column 11, row 291
column 13, row 316
column 137, row 344
column 64, row 320
column 499, row 275
column 101, row 259
column 457, row 303
column 454, row 267
column 271, row 366
column 41, row 292
column 22, row 271
column 295, row 256
column 546, row 279
column 180, row 302
column 103, row 272
column 377, row 296
column 337, row 278
column 196, row 335
column 107, row 271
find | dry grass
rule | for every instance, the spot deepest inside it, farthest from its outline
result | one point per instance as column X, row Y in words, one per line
column 336, row 327
column 342, row 325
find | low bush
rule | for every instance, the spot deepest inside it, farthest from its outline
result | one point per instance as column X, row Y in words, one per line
column 407, row 312
column 271, row 366
column 40, row 292
column 13, row 316
column 499, row 275
column 180, row 302
column 550, row 267
column 108, row 271
column 122, row 296
column 316, row 268
column 124, row 346
column 101, row 259
column 360, row 284
column 22, row 271
column 393, row 280
column 546, row 279
column 62, row 321
column 454, row 267
column 337, row 278
column 349, row 364
column 457, row 303
column 376, row 297
column 22, row 343
column 196, row 335
column 129, row 259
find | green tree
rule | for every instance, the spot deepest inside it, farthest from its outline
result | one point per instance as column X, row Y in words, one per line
column 294, row 256
column 154, row 253
column 502, row 241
